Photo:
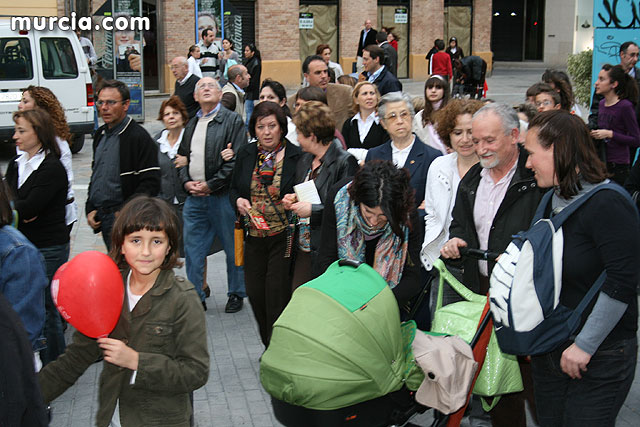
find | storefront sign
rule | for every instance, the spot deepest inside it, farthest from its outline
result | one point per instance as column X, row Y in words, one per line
column 401, row 16
column 306, row 21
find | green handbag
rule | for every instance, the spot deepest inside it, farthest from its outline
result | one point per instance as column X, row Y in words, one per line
column 500, row 373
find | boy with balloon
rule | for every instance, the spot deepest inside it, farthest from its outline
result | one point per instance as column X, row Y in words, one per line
column 156, row 354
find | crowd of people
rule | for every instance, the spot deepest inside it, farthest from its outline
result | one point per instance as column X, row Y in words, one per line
column 332, row 171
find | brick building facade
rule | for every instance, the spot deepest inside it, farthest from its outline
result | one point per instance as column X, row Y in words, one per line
column 273, row 25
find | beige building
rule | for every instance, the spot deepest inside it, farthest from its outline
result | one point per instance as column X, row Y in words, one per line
column 500, row 30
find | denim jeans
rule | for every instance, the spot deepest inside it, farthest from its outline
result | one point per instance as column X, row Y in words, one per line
column 248, row 110
column 594, row 400
column 205, row 218
column 106, row 225
column 54, row 257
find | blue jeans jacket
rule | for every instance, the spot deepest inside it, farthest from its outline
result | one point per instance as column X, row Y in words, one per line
column 23, row 281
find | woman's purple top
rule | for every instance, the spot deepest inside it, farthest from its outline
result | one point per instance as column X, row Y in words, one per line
column 621, row 119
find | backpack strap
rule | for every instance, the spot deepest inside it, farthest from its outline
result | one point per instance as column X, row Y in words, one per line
column 587, row 298
column 559, row 219
column 542, row 206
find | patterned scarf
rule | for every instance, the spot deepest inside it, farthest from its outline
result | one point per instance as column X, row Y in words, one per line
column 352, row 232
column 267, row 162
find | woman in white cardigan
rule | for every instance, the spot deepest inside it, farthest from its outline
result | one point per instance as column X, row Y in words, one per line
column 445, row 173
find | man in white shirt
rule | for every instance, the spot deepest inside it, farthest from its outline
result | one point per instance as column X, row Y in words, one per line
column 87, row 48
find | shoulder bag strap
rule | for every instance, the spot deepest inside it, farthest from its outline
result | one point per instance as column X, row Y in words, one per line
column 445, row 276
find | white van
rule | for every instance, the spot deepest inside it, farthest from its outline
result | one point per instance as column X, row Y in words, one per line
column 53, row 59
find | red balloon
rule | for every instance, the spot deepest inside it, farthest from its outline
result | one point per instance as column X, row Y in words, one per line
column 88, row 291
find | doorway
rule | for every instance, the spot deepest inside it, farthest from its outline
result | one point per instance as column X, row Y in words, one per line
column 457, row 23
column 150, row 51
column 396, row 18
column 517, row 30
column 321, row 26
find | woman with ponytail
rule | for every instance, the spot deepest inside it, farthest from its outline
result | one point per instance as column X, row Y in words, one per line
column 617, row 123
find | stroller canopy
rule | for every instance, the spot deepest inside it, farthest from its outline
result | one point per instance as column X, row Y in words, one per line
column 337, row 343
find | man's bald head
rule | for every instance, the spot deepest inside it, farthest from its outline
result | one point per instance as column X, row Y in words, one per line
column 179, row 67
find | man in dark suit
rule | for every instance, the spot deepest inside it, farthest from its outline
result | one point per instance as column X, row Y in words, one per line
column 405, row 149
column 367, row 37
column 390, row 53
column 377, row 73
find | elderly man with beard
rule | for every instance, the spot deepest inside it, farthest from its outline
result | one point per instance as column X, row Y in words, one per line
column 496, row 198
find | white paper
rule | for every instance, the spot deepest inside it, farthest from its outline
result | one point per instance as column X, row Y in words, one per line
column 359, row 153
column 307, row 192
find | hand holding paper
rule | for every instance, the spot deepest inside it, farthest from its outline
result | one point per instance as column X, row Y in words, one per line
column 307, row 192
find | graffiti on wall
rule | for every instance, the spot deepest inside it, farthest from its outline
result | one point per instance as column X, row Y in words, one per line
column 617, row 14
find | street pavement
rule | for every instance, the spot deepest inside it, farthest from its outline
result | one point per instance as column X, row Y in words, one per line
column 233, row 395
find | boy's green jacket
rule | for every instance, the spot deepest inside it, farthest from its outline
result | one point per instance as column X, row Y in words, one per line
column 167, row 327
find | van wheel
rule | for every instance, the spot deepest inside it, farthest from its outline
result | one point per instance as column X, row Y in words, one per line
column 77, row 142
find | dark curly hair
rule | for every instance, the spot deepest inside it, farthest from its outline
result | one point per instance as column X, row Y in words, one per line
column 46, row 100
column 446, row 117
column 381, row 183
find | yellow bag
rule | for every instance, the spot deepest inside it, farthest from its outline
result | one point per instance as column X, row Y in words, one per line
column 238, row 243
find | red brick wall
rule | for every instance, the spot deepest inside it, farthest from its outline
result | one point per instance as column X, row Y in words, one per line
column 277, row 33
column 427, row 24
column 353, row 13
column 179, row 27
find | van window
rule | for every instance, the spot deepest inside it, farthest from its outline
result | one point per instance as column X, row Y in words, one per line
column 58, row 59
column 15, row 59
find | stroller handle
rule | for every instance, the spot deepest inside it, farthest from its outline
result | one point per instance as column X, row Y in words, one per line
column 349, row 262
column 479, row 254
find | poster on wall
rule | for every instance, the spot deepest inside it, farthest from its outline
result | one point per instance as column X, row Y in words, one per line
column 401, row 16
column 305, row 21
column 208, row 16
column 232, row 24
column 127, row 52
column 103, row 42
column 208, row 13
column 615, row 23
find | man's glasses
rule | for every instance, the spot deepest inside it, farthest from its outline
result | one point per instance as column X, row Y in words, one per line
column 108, row 102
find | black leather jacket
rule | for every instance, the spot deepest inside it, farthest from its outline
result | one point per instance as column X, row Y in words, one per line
column 226, row 127
column 514, row 214
column 337, row 164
